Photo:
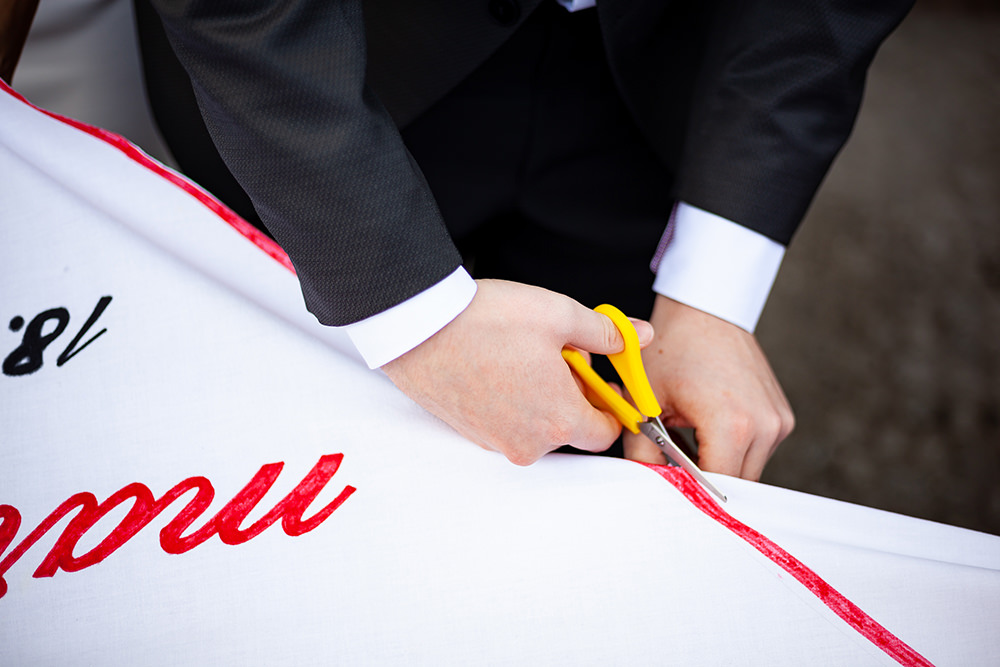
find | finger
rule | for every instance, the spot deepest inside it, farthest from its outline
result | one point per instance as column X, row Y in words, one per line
column 594, row 430
column 595, row 333
column 584, row 388
column 644, row 329
column 722, row 447
column 756, row 458
column 770, row 434
column 583, row 353
column 640, row 448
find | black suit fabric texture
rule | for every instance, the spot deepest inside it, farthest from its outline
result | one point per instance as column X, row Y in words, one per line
column 745, row 103
column 748, row 102
column 282, row 89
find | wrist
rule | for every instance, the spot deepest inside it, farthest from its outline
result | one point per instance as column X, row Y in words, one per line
column 672, row 316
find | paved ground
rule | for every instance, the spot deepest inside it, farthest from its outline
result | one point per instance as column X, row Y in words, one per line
column 884, row 326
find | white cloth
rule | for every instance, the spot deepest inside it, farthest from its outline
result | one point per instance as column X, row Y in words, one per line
column 210, row 373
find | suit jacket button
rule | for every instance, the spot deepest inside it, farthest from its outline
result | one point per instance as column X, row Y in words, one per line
column 505, row 12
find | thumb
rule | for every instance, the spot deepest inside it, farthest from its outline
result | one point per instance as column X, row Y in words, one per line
column 644, row 329
column 596, row 333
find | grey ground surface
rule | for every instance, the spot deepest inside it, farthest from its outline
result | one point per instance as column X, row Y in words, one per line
column 884, row 324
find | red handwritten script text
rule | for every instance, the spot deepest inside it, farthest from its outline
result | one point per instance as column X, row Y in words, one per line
column 145, row 508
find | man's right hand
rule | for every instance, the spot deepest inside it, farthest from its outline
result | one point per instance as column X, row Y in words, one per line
column 496, row 373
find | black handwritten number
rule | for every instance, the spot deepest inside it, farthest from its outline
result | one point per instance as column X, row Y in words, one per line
column 26, row 358
column 71, row 349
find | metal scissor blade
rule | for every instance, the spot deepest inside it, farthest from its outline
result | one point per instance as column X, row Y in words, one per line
column 655, row 431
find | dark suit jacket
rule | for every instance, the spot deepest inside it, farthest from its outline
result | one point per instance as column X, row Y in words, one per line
column 746, row 102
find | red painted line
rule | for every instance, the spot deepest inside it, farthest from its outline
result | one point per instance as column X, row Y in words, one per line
column 851, row 613
column 254, row 235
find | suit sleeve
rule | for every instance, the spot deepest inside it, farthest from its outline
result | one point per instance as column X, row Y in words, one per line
column 748, row 101
column 282, row 88
column 779, row 96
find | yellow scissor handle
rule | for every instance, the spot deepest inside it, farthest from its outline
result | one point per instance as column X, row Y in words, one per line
column 600, row 394
column 628, row 363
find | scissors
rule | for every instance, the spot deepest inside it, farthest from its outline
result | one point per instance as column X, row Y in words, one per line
column 644, row 417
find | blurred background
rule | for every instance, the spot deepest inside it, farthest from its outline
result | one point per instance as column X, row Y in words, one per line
column 884, row 324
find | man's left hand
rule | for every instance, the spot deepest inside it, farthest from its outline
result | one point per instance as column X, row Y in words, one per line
column 713, row 376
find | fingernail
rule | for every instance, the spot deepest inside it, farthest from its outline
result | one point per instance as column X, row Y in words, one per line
column 645, row 331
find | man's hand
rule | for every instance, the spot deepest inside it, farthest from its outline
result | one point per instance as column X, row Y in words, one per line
column 496, row 373
column 713, row 376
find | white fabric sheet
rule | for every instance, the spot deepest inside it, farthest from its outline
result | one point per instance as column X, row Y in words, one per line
column 210, row 373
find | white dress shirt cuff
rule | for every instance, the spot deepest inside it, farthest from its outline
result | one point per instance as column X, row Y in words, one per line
column 577, row 5
column 716, row 266
column 394, row 332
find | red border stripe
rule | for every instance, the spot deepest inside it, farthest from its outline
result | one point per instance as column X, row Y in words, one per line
column 852, row 614
column 254, row 235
